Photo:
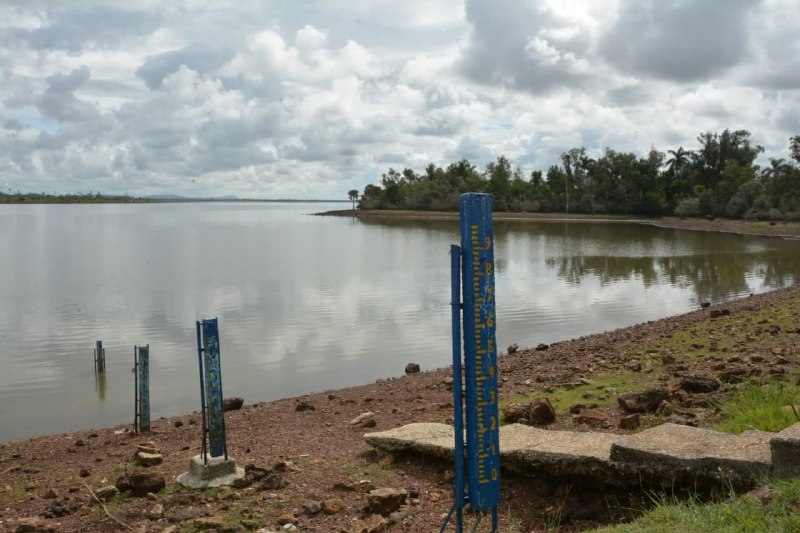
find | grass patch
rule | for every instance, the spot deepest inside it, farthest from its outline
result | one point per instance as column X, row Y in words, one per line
column 671, row 514
column 766, row 408
column 11, row 494
column 601, row 389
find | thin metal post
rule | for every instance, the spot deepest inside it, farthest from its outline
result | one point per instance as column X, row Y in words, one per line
column 144, row 388
column 99, row 357
column 458, row 407
column 135, row 391
column 202, row 390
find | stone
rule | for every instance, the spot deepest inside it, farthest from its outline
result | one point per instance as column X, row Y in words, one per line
column 178, row 423
column 271, row 482
column 233, row 403
column 699, row 384
column 144, row 482
column 629, row 421
column 123, row 484
column 210, row 522
column 785, row 453
column 643, row 401
column 385, row 500
column 360, row 419
column 763, row 495
column 156, row 512
column 312, row 508
column 541, row 347
column 370, row 524
column 592, row 417
column 286, row 518
column 107, row 492
column 541, row 412
column 148, row 447
column 513, row 348
column 513, row 412
column 332, row 506
column 689, row 455
column 148, row 459
column 84, row 472
column 215, row 472
column 304, row 405
column 36, row 525
column 50, row 494
column 412, row 368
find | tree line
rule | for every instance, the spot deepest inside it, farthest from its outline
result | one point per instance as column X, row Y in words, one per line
column 718, row 178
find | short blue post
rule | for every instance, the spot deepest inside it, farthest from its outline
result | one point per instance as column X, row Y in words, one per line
column 211, row 395
column 143, row 382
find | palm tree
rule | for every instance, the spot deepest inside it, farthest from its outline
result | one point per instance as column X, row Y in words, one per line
column 679, row 159
column 353, row 195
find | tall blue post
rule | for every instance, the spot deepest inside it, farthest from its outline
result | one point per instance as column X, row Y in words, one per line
column 472, row 281
column 480, row 351
column 211, row 393
column 143, row 387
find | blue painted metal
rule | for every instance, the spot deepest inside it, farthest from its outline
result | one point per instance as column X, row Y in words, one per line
column 144, row 387
column 480, row 351
column 458, row 400
column 213, row 375
column 202, row 390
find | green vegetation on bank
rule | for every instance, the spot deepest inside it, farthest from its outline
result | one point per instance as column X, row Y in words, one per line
column 86, row 198
column 744, row 513
column 718, row 178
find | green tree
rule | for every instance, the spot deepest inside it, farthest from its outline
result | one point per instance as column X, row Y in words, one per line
column 353, row 195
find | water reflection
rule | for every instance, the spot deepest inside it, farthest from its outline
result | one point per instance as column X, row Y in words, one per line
column 309, row 303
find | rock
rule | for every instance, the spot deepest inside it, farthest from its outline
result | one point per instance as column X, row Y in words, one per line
column 148, row 447
column 156, row 512
column 385, row 500
column 148, row 459
column 699, row 384
column 210, row 522
column 705, row 304
column 144, row 482
column 36, row 525
column 123, row 484
column 360, row 419
column 286, row 518
column 412, row 368
column 304, row 405
column 332, row 506
column 312, row 508
column 629, row 421
column 50, row 494
column 448, row 382
column 370, row 423
column 763, row 495
column 513, row 348
column 371, row 524
column 667, row 359
column 233, row 403
column 178, row 424
column 592, row 417
column 84, row 472
column 733, row 375
column 513, row 412
column 271, row 482
column 107, row 492
column 243, row 482
column 541, row 347
column 541, row 412
column 642, row 402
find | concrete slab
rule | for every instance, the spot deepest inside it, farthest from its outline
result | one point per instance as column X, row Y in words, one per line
column 425, row 438
column 217, row 472
column 684, row 454
column 785, row 451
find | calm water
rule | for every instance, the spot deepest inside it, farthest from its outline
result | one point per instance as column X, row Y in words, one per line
column 309, row 303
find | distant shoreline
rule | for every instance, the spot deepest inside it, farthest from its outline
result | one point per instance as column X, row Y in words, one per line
column 67, row 199
column 785, row 230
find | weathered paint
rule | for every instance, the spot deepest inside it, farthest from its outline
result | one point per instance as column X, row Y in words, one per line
column 213, row 379
column 480, row 351
column 458, row 399
column 143, row 366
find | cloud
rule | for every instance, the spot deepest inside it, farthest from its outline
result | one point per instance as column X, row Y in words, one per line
column 679, row 40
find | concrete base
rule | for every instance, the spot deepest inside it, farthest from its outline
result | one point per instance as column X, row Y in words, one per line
column 218, row 472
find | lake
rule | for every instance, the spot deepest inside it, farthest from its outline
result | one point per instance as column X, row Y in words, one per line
column 309, row 303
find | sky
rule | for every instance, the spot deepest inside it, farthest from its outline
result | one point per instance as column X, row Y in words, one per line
column 311, row 98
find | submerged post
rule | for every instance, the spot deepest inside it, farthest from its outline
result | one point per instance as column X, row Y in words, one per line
column 99, row 357
column 142, row 388
column 476, row 284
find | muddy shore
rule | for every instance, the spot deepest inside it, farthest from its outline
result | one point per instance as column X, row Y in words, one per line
column 320, row 466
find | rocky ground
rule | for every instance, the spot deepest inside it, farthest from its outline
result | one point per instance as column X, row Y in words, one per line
column 310, row 470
